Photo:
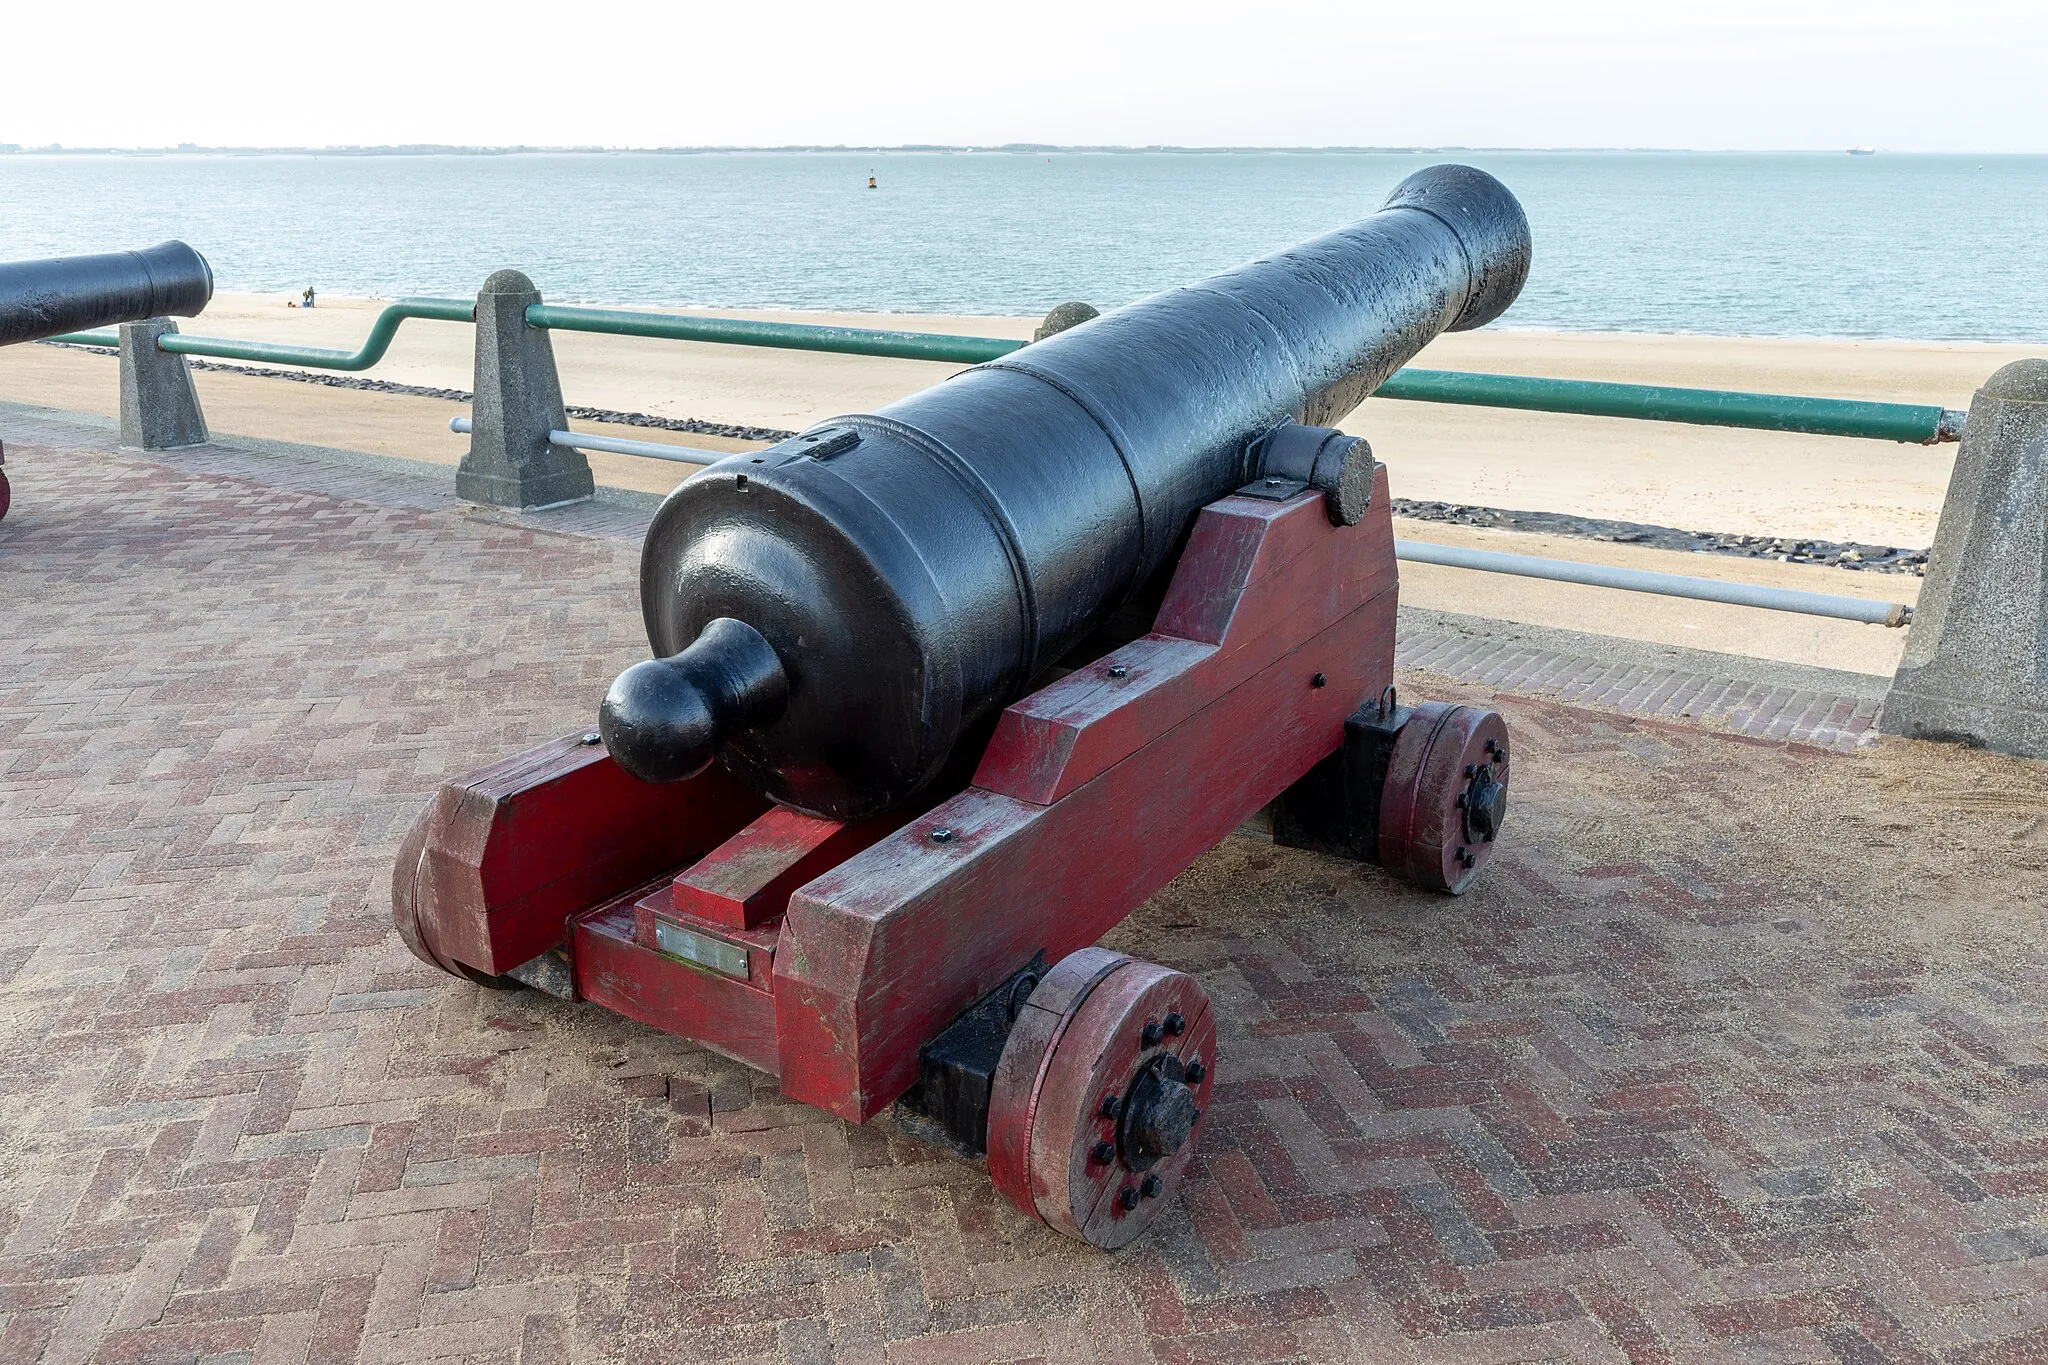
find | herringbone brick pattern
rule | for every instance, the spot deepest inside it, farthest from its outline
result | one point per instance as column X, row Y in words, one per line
column 1739, row 1053
column 1740, row 706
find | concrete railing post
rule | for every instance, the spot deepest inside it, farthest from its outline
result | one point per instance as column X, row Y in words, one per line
column 1065, row 316
column 1976, row 664
column 518, row 402
column 159, row 406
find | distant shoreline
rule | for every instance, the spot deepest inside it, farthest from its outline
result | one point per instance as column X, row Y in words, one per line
column 1004, row 149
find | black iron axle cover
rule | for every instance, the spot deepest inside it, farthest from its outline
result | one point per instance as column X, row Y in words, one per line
column 911, row 570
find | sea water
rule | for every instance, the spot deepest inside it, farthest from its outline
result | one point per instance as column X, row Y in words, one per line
column 1819, row 244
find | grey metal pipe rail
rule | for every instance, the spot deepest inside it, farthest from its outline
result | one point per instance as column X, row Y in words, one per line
column 1660, row 584
column 616, row 445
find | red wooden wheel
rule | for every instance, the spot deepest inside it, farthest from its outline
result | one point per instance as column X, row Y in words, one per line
column 6, row 494
column 1100, row 1095
column 408, row 878
column 406, row 890
column 1445, row 796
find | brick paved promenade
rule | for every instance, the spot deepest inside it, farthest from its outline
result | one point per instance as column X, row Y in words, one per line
column 1741, row 1053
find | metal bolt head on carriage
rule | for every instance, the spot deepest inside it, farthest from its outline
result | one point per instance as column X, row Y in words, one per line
column 943, row 692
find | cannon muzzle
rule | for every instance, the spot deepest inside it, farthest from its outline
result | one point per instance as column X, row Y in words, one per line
column 900, row 575
column 41, row 299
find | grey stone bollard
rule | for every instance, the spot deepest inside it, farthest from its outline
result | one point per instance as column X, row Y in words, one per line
column 1976, row 664
column 1065, row 316
column 159, row 406
column 518, row 402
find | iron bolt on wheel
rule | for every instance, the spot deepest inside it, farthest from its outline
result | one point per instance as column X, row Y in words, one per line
column 1446, row 796
column 1100, row 1095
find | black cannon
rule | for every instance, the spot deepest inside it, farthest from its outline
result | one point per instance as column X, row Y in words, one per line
column 40, row 299
column 830, row 616
column 945, row 691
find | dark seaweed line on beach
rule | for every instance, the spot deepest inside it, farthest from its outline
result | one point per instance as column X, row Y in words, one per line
column 1834, row 554
column 1838, row 554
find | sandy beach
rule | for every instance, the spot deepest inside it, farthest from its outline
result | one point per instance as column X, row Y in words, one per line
column 1696, row 478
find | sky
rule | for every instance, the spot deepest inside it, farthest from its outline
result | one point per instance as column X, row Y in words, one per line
column 1958, row 75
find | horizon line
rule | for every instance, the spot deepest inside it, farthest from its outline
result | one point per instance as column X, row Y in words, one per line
column 1005, row 148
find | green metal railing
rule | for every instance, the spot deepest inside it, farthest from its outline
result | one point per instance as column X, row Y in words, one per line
column 788, row 336
column 1911, row 422
column 317, row 357
column 1922, row 424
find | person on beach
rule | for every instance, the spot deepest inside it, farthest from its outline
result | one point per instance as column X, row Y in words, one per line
column 307, row 297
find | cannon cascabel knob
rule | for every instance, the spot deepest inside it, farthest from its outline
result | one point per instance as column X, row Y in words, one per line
column 665, row 720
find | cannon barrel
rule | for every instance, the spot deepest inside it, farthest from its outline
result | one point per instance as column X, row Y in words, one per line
column 77, row 293
column 830, row 616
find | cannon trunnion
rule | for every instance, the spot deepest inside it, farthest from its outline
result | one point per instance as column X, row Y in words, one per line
column 945, row 692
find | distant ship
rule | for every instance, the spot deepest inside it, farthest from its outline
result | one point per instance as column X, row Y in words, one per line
column 1863, row 151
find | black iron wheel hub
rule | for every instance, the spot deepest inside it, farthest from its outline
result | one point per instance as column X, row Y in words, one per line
column 1158, row 1114
column 1485, row 802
